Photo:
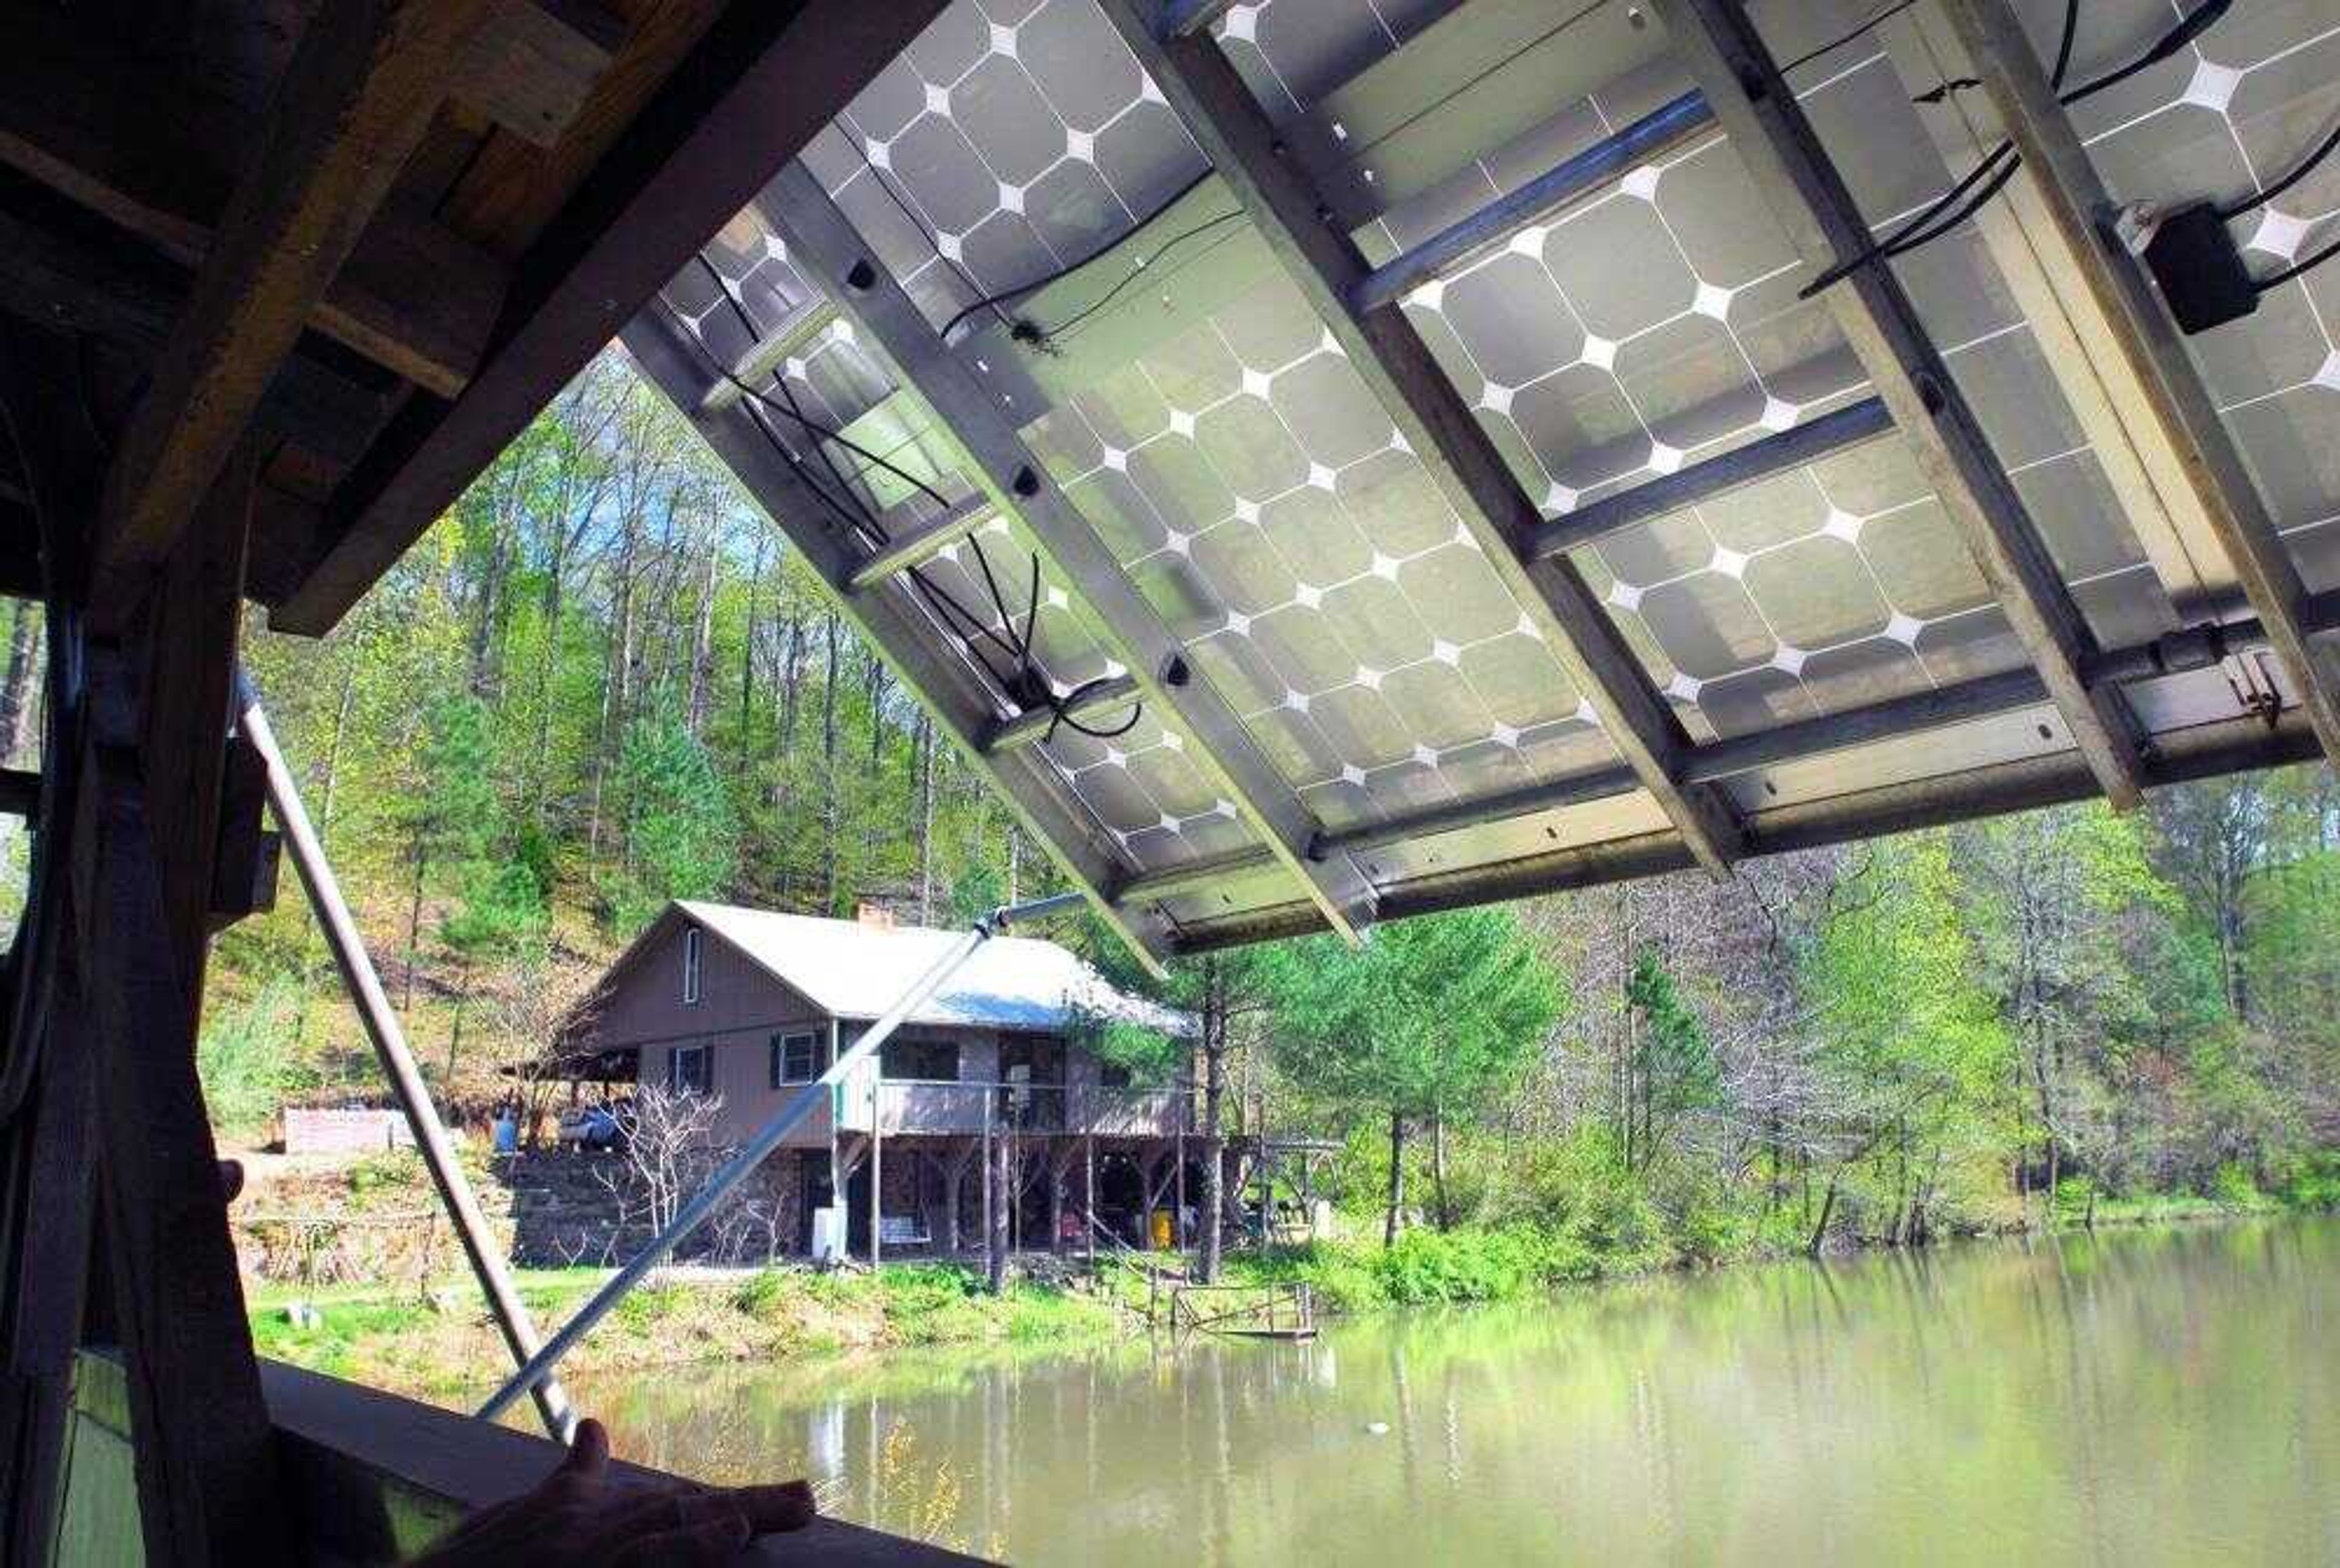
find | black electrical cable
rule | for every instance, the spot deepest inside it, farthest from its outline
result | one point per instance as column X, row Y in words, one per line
column 1026, row 684
column 1991, row 173
column 1833, row 45
column 1173, row 243
column 991, row 302
column 1996, row 169
column 2196, row 22
column 2306, row 167
column 2298, row 269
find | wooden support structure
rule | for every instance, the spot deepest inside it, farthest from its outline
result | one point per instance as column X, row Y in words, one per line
column 1384, row 348
column 2111, row 302
column 1719, row 44
column 359, row 96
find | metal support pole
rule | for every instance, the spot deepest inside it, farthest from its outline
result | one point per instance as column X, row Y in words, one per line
column 504, row 1304
column 768, row 1137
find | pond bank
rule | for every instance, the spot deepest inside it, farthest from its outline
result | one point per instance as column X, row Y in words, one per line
column 437, row 1343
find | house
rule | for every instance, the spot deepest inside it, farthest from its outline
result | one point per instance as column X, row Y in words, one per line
column 747, row 1008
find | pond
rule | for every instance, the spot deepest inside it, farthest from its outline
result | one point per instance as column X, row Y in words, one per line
column 2135, row 1397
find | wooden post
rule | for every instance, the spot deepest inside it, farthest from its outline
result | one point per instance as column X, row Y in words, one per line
column 877, row 1192
column 1088, row 1197
column 1178, row 1200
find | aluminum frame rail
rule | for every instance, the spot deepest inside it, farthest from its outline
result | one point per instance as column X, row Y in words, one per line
column 962, row 705
column 832, row 252
column 2056, row 167
column 1980, row 697
column 538, row 1368
column 1801, row 184
column 347, row 946
column 1235, row 133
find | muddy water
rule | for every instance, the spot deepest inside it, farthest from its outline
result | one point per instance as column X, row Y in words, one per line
column 2138, row 1397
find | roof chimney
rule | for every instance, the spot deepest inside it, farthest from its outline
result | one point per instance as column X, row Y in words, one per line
column 877, row 916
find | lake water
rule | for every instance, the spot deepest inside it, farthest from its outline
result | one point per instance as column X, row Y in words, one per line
column 2136, row 1397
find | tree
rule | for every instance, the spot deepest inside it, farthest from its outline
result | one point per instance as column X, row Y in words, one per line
column 681, row 840
column 1424, row 1019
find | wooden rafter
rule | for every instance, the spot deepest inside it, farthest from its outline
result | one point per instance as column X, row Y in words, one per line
column 2056, row 169
column 414, row 297
column 1791, row 171
column 1385, row 349
column 760, row 85
column 358, row 96
column 824, row 242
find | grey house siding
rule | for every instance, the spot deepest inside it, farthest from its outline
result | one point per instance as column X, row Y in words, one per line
column 741, row 1005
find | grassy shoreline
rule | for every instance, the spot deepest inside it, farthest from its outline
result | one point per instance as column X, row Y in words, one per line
column 439, row 1345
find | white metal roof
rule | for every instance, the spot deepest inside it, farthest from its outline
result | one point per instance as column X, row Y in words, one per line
column 853, row 970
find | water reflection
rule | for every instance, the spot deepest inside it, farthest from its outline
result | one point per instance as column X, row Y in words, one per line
column 2141, row 1397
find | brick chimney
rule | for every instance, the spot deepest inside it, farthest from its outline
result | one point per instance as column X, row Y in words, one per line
column 877, row 916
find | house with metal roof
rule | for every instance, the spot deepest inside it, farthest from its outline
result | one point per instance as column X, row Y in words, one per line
column 743, row 1008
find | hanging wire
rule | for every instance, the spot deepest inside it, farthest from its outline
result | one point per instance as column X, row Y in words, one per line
column 1999, row 164
column 1022, row 680
column 2306, row 167
column 1105, row 248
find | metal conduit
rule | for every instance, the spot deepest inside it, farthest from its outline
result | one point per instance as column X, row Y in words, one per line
column 325, row 890
column 538, row 1367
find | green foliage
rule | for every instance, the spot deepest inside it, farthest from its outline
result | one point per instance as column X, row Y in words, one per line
column 683, row 840
column 241, row 1057
column 1426, row 1016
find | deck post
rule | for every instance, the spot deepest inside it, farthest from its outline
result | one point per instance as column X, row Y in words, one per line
column 1178, row 1199
column 876, row 1192
column 1088, row 1197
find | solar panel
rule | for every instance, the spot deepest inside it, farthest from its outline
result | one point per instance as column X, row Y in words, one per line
column 1333, row 656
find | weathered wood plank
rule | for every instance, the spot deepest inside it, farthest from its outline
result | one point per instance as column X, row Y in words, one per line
column 159, row 156
column 357, row 98
column 765, row 79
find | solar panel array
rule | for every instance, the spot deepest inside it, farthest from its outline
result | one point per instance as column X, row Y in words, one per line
column 1244, row 478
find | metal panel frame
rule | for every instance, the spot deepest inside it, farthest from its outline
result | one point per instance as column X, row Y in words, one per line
column 1742, row 465
column 824, row 243
column 1383, row 346
column 1801, row 184
column 946, row 688
column 2056, row 167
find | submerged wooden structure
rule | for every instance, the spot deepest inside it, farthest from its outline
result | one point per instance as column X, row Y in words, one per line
column 1418, row 581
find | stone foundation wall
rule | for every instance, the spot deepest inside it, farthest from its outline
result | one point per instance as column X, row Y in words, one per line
column 571, row 1207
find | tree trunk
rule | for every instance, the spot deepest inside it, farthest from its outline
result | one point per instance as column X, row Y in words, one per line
column 1827, row 1209
column 828, row 812
column 16, row 694
column 926, row 821
column 414, row 924
column 702, row 650
column 1438, row 1170
column 1215, row 1088
column 1397, row 1178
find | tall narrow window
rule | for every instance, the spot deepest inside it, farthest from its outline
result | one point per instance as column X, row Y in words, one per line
column 690, row 1070
column 693, row 940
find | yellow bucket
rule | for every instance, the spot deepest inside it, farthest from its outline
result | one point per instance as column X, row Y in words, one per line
column 1161, row 1230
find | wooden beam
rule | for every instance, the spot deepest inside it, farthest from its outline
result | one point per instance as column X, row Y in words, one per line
column 1719, row 44
column 2057, row 171
column 826, row 246
column 1385, row 349
column 357, row 98
column 159, row 156
column 532, row 64
column 762, row 83
column 68, row 271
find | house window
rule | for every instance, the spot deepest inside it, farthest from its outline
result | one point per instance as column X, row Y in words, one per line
column 798, row 1058
column 690, row 1070
column 693, row 941
column 1113, row 1075
column 922, row 1061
